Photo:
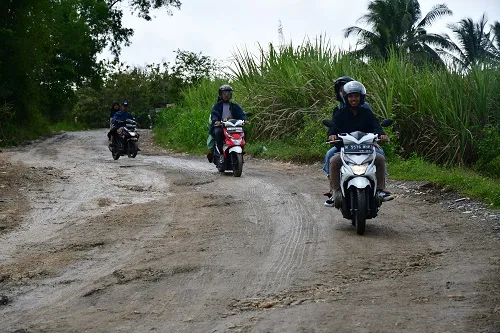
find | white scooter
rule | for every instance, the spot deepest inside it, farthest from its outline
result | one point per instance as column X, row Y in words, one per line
column 358, row 180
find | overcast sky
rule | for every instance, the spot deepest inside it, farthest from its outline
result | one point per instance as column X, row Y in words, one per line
column 217, row 29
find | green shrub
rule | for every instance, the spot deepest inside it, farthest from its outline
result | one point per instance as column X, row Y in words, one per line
column 488, row 151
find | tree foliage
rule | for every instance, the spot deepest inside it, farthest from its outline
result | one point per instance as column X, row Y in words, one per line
column 477, row 44
column 145, row 88
column 398, row 25
column 49, row 48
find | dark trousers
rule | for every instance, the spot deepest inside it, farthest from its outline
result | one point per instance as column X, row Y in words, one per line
column 112, row 132
column 219, row 137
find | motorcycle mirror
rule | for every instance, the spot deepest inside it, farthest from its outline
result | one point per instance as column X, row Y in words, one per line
column 328, row 123
column 386, row 122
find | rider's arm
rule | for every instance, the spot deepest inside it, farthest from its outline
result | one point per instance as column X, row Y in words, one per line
column 337, row 124
column 239, row 110
column 374, row 124
column 116, row 118
column 334, row 112
column 215, row 116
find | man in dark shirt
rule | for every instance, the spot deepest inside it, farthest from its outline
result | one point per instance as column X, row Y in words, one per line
column 223, row 109
column 355, row 116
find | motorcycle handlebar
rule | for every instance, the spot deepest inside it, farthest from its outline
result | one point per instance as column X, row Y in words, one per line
column 246, row 122
column 339, row 141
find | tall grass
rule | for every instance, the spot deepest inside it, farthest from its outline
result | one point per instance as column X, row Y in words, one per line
column 439, row 114
column 444, row 117
column 185, row 127
column 282, row 85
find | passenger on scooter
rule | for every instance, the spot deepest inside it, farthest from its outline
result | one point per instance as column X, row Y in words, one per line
column 119, row 119
column 339, row 91
column 224, row 109
column 114, row 108
column 356, row 116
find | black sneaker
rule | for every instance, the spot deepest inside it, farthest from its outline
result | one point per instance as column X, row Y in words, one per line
column 385, row 196
column 335, row 197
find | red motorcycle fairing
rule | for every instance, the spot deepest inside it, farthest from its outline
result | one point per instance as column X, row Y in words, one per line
column 233, row 138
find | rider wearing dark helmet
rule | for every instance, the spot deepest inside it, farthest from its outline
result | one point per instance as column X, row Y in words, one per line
column 118, row 120
column 338, row 87
column 223, row 109
column 356, row 116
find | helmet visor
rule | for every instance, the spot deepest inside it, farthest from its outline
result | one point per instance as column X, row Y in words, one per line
column 226, row 95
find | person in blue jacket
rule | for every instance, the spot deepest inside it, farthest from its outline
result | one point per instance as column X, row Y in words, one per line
column 224, row 109
column 118, row 121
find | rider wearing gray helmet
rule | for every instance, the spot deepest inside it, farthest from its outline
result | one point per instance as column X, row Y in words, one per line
column 356, row 116
column 223, row 109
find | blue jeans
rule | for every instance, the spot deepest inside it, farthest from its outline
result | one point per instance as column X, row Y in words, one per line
column 332, row 151
column 329, row 154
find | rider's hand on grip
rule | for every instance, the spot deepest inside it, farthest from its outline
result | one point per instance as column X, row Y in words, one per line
column 384, row 138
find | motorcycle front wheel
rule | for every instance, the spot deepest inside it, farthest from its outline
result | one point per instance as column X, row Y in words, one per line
column 237, row 159
column 115, row 152
column 132, row 149
column 360, row 211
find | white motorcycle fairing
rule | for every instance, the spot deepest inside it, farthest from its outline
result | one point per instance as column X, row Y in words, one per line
column 236, row 149
column 349, row 160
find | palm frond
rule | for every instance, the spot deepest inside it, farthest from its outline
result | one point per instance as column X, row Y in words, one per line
column 363, row 33
column 436, row 12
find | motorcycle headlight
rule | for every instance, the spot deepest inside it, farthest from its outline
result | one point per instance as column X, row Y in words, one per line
column 359, row 169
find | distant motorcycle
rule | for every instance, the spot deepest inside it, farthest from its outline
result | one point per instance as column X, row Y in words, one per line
column 358, row 180
column 233, row 147
column 127, row 141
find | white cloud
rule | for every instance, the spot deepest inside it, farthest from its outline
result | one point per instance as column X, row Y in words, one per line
column 217, row 29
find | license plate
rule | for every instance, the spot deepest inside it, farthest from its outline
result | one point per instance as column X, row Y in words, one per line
column 358, row 148
column 234, row 129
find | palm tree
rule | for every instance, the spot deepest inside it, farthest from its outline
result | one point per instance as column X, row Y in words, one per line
column 398, row 25
column 495, row 28
column 476, row 46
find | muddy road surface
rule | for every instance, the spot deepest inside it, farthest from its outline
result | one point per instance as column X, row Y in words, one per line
column 163, row 243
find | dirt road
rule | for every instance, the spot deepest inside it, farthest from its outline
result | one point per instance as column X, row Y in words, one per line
column 164, row 243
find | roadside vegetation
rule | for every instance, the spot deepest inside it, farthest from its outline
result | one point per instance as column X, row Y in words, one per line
column 444, row 100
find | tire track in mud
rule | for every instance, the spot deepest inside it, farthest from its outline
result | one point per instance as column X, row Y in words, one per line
column 288, row 217
column 270, row 207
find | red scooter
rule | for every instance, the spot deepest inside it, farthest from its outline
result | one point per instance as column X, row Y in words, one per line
column 233, row 147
